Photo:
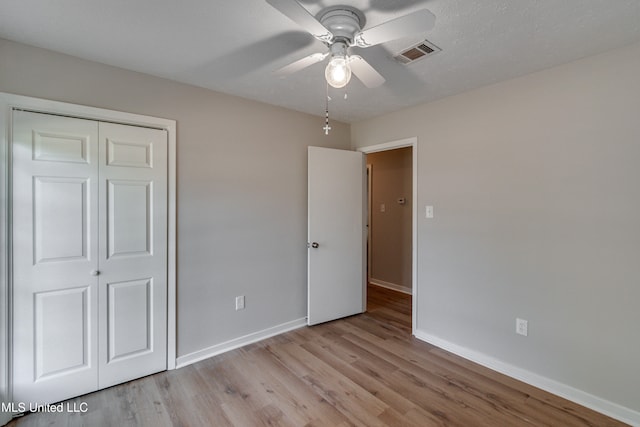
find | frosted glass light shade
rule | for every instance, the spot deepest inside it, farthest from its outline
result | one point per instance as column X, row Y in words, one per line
column 338, row 72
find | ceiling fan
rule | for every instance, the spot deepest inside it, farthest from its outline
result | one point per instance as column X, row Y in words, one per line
column 340, row 28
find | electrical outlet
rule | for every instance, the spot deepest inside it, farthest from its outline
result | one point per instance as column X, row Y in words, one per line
column 522, row 327
column 240, row 302
column 429, row 212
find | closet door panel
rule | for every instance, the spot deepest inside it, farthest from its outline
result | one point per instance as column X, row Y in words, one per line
column 133, row 252
column 130, row 319
column 130, row 221
column 55, row 257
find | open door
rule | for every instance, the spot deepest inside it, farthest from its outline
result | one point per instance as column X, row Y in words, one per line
column 337, row 234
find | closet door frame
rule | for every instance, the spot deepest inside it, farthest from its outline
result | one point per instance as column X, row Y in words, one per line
column 9, row 103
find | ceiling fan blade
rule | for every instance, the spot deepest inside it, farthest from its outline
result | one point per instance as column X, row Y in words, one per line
column 300, row 64
column 301, row 16
column 417, row 22
column 365, row 72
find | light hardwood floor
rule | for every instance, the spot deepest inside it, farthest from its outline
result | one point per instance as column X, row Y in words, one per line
column 364, row 370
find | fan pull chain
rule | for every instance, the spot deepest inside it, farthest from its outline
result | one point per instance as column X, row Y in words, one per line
column 326, row 127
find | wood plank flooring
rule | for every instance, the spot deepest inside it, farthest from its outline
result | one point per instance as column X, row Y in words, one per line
column 364, row 370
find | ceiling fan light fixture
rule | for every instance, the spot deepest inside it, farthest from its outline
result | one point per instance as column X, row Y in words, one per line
column 338, row 71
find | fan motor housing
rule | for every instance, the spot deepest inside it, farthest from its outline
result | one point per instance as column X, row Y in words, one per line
column 343, row 22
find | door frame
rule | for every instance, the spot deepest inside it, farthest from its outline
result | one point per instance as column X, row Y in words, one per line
column 392, row 145
column 368, row 207
column 10, row 102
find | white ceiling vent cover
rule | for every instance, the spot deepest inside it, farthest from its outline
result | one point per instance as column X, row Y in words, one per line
column 417, row 52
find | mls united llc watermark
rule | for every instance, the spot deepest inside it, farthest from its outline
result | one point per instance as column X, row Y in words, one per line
column 67, row 407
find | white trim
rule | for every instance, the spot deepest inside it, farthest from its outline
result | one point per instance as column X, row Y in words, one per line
column 5, row 417
column 580, row 397
column 368, row 207
column 389, row 285
column 413, row 143
column 392, row 145
column 235, row 343
column 172, row 247
column 8, row 102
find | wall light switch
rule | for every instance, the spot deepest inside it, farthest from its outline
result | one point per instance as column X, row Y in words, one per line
column 240, row 302
column 429, row 212
column 383, row 207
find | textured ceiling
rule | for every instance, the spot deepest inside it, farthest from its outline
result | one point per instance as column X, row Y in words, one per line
column 234, row 46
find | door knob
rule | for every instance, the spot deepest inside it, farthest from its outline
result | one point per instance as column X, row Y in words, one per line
column 315, row 245
column 94, row 272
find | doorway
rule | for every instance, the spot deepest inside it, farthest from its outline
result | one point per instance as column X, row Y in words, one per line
column 390, row 201
column 391, row 222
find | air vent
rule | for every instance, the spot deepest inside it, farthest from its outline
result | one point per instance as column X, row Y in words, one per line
column 417, row 52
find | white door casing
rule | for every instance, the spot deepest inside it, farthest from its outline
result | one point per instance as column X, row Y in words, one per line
column 336, row 225
column 89, row 255
column 392, row 145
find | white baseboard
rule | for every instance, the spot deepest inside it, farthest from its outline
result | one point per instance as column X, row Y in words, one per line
column 389, row 285
column 214, row 350
column 580, row 397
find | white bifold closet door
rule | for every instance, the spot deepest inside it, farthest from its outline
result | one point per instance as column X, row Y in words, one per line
column 89, row 246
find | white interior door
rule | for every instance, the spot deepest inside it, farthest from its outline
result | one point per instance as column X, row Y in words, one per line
column 89, row 255
column 133, row 252
column 55, row 252
column 337, row 234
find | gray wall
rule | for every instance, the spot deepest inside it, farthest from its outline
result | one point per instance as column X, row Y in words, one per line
column 242, row 187
column 536, row 189
column 390, row 241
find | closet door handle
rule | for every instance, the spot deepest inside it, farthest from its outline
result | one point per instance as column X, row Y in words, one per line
column 94, row 272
